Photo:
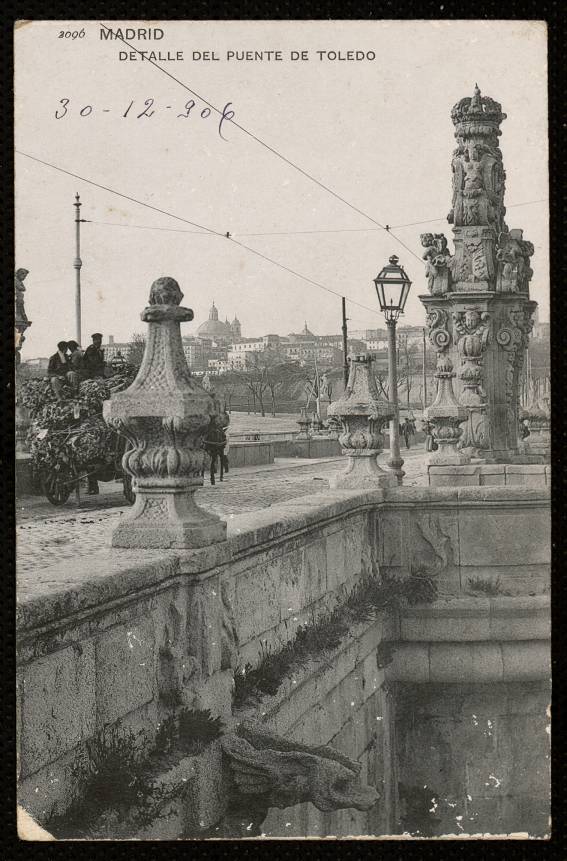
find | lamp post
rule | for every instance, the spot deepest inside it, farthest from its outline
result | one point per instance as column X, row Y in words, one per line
column 392, row 287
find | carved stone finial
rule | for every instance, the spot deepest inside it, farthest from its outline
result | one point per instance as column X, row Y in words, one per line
column 165, row 414
column 271, row 771
column 165, row 291
column 363, row 414
column 446, row 415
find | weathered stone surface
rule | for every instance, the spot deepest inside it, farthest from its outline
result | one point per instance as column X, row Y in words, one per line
column 125, row 670
column 257, row 604
column 165, row 414
column 363, row 414
column 505, row 537
column 337, row 557
column 215, row 694
column 58, row 709
column 342, row 534
column 449, row 620
column 527, row 660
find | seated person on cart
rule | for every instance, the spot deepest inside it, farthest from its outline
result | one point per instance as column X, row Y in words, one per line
column 57, row 369
column 76, row 373
column 93, row 358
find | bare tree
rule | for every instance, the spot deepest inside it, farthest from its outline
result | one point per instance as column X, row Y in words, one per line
column 136, row 349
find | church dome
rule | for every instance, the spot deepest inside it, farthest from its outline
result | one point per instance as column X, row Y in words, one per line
column 213, row 328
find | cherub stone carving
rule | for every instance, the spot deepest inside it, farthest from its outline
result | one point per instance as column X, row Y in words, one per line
column 513, row 257
column 437, row 257
column 272, row 771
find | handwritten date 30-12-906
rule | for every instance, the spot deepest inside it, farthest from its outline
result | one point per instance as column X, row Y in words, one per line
column 148, row 109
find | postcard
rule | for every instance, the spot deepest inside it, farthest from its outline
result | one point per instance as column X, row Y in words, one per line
column 282, row 430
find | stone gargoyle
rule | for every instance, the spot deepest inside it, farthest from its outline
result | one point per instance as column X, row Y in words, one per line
column 271, row 771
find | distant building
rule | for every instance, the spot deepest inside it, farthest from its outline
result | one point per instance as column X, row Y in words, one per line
column 218, row 366
column 213, row 330
column 35, row 367
column 112, row 348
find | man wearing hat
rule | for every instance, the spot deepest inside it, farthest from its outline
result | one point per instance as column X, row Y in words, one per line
column 93, row 359
column 57, row 369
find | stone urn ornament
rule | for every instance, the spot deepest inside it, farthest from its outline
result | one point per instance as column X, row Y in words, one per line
column 363, row 414
column 165, row 414
column 446, row 415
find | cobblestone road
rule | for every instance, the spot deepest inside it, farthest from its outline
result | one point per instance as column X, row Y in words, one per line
column 46, row 534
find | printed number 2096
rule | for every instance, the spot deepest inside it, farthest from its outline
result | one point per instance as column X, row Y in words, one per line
column 71, row 34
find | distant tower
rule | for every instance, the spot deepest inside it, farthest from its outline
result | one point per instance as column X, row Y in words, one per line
column 236, row 328
column 213, row 313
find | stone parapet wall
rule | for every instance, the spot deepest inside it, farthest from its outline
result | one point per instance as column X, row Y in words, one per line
column 490, row 474
column 124, row 638
column 251, row 453
column 473, row 539
column 314, row 447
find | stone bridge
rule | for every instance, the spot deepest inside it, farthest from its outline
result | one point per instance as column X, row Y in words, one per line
column 433, row 702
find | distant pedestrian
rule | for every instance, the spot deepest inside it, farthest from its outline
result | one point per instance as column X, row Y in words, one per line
column 430, row 444
column 407, row 432
column 93, row 359
column 57, row 369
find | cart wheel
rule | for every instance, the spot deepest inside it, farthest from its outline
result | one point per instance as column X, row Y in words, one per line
column 129, row 494
column 56, row 492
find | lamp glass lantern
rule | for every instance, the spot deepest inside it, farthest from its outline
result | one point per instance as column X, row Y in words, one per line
column 392, row 287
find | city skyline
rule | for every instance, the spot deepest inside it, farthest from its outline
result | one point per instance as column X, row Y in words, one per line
column 381, row 139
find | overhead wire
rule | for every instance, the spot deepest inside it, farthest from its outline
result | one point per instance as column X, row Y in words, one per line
column 267, row 146
column 289, row 232
column 226, row 235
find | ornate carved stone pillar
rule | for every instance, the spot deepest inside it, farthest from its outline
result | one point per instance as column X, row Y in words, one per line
column 165, row 415
column 482, row 291
column 363, row 414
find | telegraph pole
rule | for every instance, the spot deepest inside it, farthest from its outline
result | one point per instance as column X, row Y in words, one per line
column 77, row 264
column 345, row 343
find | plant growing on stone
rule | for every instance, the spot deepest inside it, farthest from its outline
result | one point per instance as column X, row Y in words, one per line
column 367, row 598
column 486, row 586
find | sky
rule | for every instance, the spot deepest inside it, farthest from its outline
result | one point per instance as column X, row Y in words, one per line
column 376, row 131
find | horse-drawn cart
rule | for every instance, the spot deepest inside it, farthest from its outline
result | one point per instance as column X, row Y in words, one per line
column 69, row 439
column 57, row 485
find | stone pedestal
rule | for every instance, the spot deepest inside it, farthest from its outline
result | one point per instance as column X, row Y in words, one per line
column 363, row 415
column 165, row 415
column 486, row 335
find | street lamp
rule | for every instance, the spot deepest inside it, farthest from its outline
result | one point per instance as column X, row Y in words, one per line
column 392, row 287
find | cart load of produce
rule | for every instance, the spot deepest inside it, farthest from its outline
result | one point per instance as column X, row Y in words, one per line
column 69, row 436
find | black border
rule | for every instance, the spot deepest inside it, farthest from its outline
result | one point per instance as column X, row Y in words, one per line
column 365, row 9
